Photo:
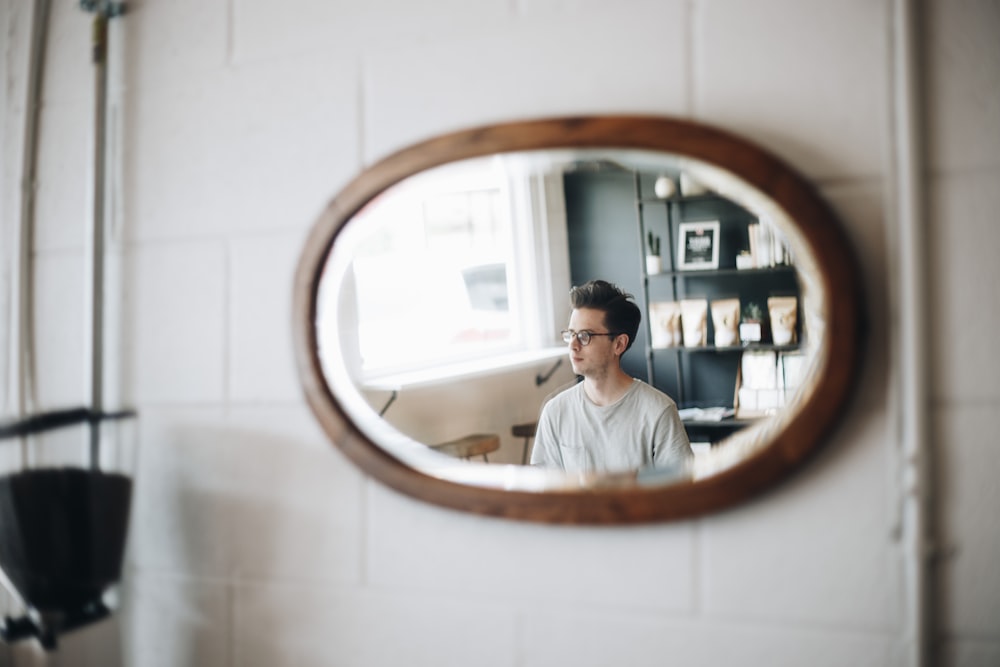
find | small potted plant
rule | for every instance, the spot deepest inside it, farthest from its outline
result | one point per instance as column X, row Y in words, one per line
column 654, row 263
column 752, row 324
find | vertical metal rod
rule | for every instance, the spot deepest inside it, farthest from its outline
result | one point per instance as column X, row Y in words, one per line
column 25, row 358
column 679, row 359
column 99, row 54
column 640, row 213
column 918, row 622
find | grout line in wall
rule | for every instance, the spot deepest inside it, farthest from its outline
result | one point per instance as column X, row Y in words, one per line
column 365, row 545
column 690, row 53
column 231, row 623
column 520, row 623
column 222, row 404
column 723, row 619
column 843, row 182
column 729, row 620
column 961, row 172
column 230, row 31
column 63, row 252
column 227, row 325
column 698, row 585
column 361, row 110
column 542, row 603
column 136, row 571
column 297, row 233
column 962, row 403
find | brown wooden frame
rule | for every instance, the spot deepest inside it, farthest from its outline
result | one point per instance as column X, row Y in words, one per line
column 808, row 428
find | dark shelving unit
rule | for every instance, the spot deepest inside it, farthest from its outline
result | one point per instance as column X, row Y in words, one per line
column 609, row 213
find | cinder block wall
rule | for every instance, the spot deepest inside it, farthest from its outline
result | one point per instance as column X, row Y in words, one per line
column 254, row 542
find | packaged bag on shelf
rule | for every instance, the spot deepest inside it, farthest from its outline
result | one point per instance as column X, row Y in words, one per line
column 665, row 324
column 726, row 321
column 694, row 321
column 757, row 390
column 784, row 317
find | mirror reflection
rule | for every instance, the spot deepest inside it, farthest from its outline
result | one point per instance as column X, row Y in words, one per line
column 443, row 302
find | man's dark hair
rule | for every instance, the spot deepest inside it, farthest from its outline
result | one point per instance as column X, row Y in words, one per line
column 620, row 314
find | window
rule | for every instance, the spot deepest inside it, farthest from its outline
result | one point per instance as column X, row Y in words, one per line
column 440, row 273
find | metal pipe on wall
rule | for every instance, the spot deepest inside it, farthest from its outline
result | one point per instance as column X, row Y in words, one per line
column 103, row 11
column 917, row 491
column 99, row 57
column 50, row 590
column 23, row 331
column 25, row 355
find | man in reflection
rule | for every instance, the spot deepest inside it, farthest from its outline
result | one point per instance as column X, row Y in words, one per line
column 610, row 422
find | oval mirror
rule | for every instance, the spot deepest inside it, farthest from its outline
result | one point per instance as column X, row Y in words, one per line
column 431, row 294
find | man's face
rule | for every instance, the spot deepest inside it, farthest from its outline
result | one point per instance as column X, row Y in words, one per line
column 601, row 355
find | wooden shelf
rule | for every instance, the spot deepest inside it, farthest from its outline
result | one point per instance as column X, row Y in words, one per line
column 691, row 273
column 728, row 348
column 681, row 199
column 729, row 422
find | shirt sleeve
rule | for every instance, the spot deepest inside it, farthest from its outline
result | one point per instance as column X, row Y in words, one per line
column 672, row 443
column 546, row 449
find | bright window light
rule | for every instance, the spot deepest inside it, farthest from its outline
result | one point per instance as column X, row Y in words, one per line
column 434, row 277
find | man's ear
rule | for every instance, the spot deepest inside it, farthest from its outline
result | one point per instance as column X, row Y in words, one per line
column 621, row 344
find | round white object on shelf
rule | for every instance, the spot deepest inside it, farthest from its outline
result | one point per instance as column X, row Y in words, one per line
column 664, row 187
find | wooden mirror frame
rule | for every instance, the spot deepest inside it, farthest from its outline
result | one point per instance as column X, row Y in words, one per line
column 787, row 450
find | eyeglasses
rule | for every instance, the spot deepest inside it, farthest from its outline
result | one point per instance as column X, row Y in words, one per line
column 583, row 336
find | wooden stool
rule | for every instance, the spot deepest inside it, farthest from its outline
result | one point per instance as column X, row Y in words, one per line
column 526, row 431
column 468, row 446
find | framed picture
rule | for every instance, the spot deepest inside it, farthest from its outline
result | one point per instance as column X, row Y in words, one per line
column 698, row 245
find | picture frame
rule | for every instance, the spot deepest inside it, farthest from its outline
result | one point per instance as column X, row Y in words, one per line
column 698, row 246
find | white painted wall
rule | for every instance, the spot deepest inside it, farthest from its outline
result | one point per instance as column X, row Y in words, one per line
column 963, row 105
column 254, row 542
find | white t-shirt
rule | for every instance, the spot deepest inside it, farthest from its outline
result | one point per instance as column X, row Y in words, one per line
column 640, row 430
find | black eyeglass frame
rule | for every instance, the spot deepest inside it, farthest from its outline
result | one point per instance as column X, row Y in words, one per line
column 568, row 335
